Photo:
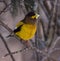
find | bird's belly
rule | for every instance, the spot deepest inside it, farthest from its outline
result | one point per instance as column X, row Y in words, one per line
column 26, row 33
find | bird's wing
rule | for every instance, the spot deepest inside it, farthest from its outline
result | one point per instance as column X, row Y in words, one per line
column 18, row 26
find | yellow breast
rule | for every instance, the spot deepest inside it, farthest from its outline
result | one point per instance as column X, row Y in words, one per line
column 27, row 31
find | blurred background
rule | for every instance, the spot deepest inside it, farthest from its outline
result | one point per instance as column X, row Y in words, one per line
column 46, row 42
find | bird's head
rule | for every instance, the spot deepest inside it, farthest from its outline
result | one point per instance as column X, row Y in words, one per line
column 31, row 17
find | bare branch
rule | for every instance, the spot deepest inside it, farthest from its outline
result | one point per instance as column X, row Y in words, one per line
column 52, row 25
column 4, row 25
column 5, row 8
column 16, row 51
column 36, row 49
column 47, row 5
column 40, row 31
column 7, row 47
column 48, row 59
column 3, row 1
column 53, row 44
column 43, row 31
column 33, row 48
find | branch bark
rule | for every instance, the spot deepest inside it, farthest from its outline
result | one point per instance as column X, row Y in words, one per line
column 52, row 25
column 7, row 47
column 5, row 8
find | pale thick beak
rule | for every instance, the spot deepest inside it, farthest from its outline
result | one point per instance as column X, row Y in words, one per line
column 37, row 15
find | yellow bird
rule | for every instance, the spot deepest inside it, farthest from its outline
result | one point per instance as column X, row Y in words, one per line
column 26, row 28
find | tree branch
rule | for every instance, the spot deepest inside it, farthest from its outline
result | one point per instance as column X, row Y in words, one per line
column 53, row 44
column 7, row 47
column 47, row 5
column 52, row 25
column 5, row 8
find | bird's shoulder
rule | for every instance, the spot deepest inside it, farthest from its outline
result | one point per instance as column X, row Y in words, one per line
column 19, row 23
column 18, row 26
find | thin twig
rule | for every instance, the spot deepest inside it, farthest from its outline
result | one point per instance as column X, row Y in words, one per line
column 56, row 49
column 52, row 18
column 44, row 53
column 44, row 36
column 50, row 31
column 52, row 26
column 44, row 9
column 16, row 51
column 5, row 8
column 47, row 5
column 53, row 44
column 33, row 48
column 3, row 1
column 4, row 25
column 52, row 58
column 7, row 47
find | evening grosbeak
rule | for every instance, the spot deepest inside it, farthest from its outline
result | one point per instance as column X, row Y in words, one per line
column 26, row 28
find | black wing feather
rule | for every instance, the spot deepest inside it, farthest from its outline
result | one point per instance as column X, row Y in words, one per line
column 18, row 29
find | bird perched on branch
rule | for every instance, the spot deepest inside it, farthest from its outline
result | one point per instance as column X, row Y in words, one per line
column 26, row 28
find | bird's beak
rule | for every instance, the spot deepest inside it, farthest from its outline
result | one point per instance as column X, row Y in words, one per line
column 37, row 15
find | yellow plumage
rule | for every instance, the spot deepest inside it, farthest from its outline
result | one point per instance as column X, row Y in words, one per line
column 27, row 31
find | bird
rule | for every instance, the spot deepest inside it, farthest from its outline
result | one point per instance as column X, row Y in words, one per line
column 26, row 28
